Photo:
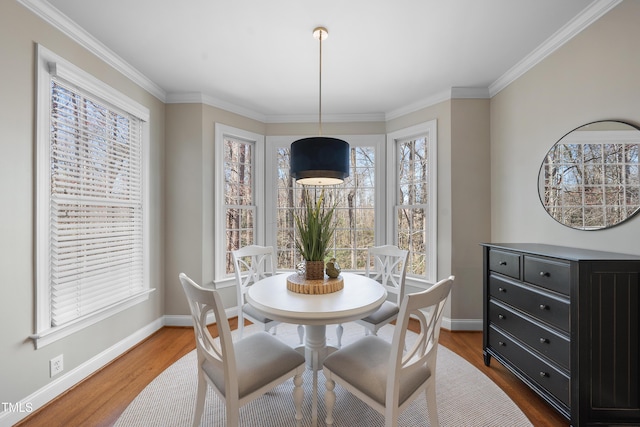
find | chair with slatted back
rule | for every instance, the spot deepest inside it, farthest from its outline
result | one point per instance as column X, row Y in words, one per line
column 240, row 371
column 251, row 264
column 388, row 266
column 384, row 376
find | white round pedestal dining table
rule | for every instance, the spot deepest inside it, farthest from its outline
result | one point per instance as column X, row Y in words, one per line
column 359, row 297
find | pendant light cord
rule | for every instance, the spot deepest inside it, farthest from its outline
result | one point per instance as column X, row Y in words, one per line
column 320, row 88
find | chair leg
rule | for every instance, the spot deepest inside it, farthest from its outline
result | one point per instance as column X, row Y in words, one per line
column 201, row 394
column 329, row 400
column 301, row 333
column 339, row 331
column 298, row 397
column 432, row 405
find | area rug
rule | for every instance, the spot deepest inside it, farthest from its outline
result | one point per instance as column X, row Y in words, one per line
column 466, row 397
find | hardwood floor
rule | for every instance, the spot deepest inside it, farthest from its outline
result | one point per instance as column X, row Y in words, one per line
column 100, row 399
column 469, row 346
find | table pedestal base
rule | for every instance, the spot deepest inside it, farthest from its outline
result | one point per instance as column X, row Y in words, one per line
column 315, row 351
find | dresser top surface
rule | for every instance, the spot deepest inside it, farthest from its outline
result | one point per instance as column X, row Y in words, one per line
column 563, row 252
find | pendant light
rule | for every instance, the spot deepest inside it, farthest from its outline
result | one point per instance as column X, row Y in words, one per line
column 319, row 160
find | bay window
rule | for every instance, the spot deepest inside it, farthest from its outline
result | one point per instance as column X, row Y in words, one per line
column 389, row 198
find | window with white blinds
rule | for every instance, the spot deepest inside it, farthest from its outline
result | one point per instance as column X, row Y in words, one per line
column 93, row 249
column 96, row 205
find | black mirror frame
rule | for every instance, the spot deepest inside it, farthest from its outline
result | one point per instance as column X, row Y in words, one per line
column 542, row 186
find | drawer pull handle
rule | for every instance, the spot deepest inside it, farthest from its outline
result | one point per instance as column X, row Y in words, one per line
column 502, row 290
column 543, row 340
column 501, row 316
column 543, row 374
column 544, row 274
column 502, row 263
column 543, row 307
column 501, row 344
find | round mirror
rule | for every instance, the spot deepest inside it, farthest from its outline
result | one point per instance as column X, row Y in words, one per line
column 590, row 178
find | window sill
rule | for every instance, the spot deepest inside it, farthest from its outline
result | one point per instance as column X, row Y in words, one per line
column 51, row 335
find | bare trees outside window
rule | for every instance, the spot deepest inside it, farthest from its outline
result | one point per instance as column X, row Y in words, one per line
column 412, row 204
column 240, row 209
column 354, row 215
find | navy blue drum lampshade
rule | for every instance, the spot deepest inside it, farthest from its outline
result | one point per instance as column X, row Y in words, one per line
column 319, row 160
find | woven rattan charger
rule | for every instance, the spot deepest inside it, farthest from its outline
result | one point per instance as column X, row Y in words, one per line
column 299, row 284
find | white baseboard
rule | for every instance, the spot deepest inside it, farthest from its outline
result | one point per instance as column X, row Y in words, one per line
column 186, row 320
column 462, row 324
column 55, row 388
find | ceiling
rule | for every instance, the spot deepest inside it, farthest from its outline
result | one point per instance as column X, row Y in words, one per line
column 381, row 57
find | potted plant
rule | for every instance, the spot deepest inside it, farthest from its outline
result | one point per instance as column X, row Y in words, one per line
column 315, row 230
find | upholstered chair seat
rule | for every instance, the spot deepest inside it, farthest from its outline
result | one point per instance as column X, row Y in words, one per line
column 384, row 375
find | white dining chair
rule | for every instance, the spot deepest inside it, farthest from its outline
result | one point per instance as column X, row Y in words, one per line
column 387, row 265
column 380, row 373
column 250, row 264
column 240, row 371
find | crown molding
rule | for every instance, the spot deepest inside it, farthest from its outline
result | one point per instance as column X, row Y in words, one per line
column 200, row 98
column 326, row 118
column 445, row 95
column 61, row 22
column 587, row 17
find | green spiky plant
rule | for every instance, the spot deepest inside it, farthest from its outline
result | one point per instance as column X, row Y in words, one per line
column 315, row 228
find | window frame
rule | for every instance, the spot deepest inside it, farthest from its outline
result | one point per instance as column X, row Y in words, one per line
column 49, row 65
column 393, row 138
column 222, row 131
column 377, row 141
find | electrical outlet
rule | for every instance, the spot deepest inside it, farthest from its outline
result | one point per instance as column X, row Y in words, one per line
column 56, row 366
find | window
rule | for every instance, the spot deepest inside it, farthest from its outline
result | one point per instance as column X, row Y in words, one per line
column 414, row 190
column 239, row 190
column 239, row 205
column 358, row 201
column 92, row 196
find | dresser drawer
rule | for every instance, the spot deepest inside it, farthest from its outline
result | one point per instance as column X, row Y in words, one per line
column 544, row 340
column 541, row 305
column 547, row 273
column 506, row 263
column 546, row 376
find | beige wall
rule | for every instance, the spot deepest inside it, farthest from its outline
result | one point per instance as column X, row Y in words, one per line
column 463, row 199
column 470, row 205
column 190, row 197
column 25, row 370
column 595, row 76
